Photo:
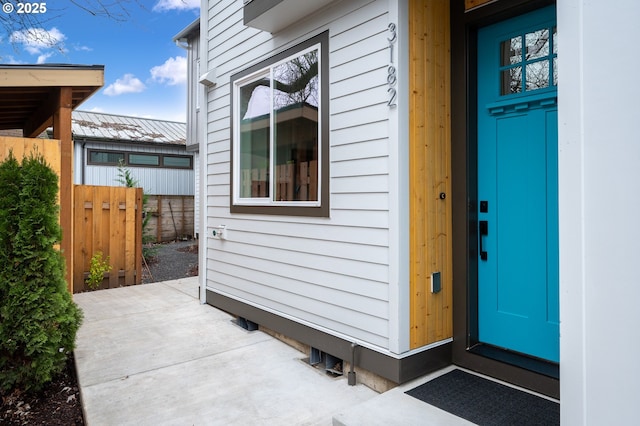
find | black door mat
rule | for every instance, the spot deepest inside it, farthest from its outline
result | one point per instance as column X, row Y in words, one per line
column 485, row 402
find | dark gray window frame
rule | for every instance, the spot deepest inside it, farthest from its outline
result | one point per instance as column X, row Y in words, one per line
column 128, row 164
column 313, row 211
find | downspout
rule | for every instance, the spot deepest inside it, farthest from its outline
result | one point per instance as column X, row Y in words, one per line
column 183, row 43
column 203, row 234
column 202, row 149
column 83, row 158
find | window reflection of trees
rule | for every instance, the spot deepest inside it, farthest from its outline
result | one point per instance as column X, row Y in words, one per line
column 279, row 131
column 296, row 81
column 535, row 60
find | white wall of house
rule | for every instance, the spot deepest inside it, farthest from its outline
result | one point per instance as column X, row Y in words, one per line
column 336, row 274
column 154, row 181
column 599, row 183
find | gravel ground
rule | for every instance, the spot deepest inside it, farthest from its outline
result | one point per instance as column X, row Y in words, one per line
column 172, row 261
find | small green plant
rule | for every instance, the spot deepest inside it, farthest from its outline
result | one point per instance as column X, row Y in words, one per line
column 98, row 268
column 125, row 178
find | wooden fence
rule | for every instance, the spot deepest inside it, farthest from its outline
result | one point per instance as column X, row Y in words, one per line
column 108, row 219
column 254, row 183
column 293, row 182
column 22, row 147
column 297, row 183
column 171, row 217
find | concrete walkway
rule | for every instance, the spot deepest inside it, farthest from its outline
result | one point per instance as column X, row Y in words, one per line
column 153, row 355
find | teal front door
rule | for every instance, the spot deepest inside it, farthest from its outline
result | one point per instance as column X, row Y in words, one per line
column 517, row 185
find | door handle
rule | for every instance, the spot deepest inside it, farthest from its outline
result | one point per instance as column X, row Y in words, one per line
column 484, row 231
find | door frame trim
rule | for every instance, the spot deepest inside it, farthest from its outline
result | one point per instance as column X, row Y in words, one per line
column 464, row 27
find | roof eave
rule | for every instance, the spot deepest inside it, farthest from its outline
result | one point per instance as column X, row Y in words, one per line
column 188, row 30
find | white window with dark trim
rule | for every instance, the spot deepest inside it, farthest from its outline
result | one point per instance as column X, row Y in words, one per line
column 279, row 137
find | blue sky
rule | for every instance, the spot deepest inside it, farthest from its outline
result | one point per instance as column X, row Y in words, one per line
column 145, row 72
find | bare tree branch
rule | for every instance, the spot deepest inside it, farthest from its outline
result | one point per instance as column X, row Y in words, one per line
column 17, row 28
column 294, row 79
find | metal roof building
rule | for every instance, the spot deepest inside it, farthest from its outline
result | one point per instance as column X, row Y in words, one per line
column 154, row 151
column 100, row 126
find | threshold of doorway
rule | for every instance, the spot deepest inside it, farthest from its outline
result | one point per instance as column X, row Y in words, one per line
column 537, row 365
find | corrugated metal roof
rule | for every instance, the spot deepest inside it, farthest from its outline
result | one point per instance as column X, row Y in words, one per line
column 95, row 125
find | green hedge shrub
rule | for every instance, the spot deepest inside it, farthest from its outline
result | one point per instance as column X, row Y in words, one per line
column 38, row 318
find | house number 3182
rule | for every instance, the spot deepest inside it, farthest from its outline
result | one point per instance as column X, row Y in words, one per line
column 391, row 69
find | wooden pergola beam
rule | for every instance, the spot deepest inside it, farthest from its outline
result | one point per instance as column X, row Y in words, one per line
column 63, row 107
column 52, row 76
column 42, row 117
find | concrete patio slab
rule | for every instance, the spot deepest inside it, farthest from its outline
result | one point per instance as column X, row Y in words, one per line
column 188, row 286
column 153, row 355
column 394, row 407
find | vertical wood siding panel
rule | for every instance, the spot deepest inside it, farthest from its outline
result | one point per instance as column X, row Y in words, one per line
column 429, row 124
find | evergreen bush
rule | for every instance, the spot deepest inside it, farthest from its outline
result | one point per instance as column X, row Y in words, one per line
column 38, row 318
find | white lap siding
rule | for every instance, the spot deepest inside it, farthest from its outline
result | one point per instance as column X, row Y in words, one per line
column 330, row 273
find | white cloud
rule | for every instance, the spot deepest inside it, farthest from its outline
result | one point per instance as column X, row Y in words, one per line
column 80, row 48
column 38, row 40
column 10, row 60
column 163, row 5
column 43, row 57
column 172, row 72
column 127, row 84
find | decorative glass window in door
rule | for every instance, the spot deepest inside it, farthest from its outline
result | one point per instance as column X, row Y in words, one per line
column 528, row 62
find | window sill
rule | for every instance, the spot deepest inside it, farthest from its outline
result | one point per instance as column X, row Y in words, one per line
column 288, row 210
